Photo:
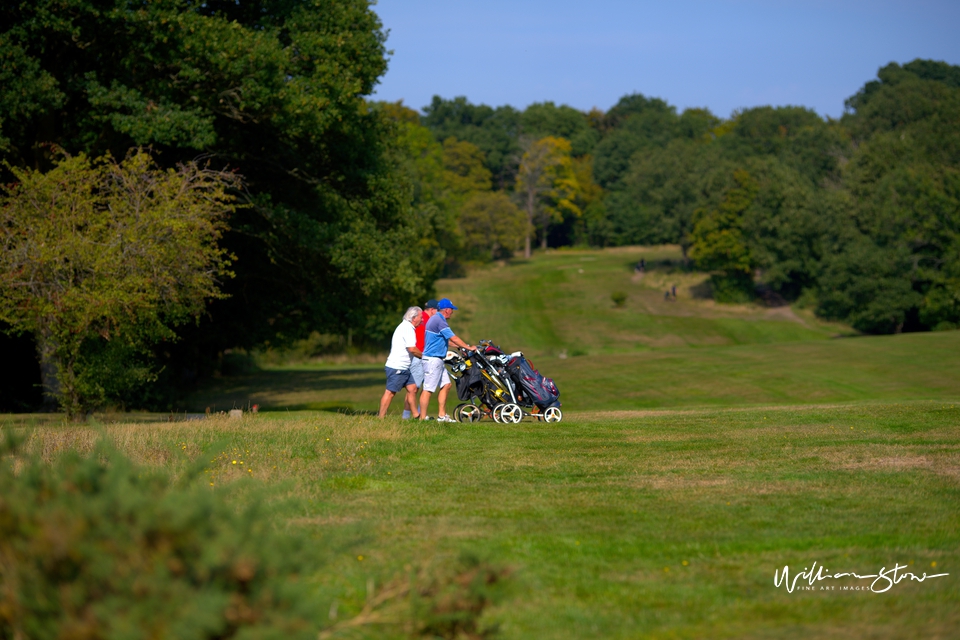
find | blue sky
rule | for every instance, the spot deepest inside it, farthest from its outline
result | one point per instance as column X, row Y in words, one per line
column 720, row 54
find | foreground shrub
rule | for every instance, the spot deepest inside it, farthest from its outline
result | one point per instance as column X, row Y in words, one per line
column 94, row 547
column 97, row 547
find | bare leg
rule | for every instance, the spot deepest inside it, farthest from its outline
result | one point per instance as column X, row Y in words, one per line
column 410, row 401
column 385, row 402
column 424, row 403
column 442, row 400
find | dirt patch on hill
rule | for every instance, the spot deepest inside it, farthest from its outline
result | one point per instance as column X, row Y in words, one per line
column 784, row 313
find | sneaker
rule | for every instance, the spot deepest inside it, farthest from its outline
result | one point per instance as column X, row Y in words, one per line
column 427, row 418
column 405, row 415
column 445, row 419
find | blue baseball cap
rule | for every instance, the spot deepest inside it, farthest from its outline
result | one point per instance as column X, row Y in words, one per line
column 445, row 304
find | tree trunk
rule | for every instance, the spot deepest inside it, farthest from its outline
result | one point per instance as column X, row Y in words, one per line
column 47, row 354
column 60, row 385
column 531, row 213
column 545, row 220
column 71, row 401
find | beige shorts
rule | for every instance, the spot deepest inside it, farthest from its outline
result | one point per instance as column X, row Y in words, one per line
column 434, row 374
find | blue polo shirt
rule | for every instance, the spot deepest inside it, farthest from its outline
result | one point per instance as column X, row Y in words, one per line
column 437, row 334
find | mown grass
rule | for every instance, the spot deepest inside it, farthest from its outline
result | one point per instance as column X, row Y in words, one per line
column 651, row 353
column 561, row 303
column 903, row 367
column 642, row 524
column 703, row 448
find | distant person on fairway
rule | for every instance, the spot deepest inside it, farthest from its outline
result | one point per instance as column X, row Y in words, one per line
column 403, row 348
column 438, row 335
column 416, row 364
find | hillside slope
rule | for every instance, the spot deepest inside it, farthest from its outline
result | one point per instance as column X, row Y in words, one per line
column 561, row 302
column 650, row 353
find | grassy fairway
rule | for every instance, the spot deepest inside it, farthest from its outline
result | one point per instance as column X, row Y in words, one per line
column 905, row 367
column 649, row 354
column 704, row 447
column 561, row 303
column 664, row 524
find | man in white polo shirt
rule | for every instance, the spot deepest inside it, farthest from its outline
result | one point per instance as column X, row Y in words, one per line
column 402, row 347
column 435, row 375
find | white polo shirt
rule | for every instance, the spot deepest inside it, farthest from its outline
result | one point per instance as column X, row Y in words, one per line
column 405, row 335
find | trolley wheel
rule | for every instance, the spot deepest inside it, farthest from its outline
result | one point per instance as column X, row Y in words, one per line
column 467, row 413
column 511, row 413
column 553, row 414
column 497, row 413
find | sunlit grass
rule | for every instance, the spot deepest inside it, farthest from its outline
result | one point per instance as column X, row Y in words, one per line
column 704, row 447
column 650, row 353
column 560, row 302
column 666, row 523
column 904, row 367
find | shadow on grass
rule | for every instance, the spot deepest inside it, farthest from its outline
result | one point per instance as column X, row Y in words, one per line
column 669, row 265
column 320, row 406
column 285, row 381
column 702, row 291
column 292, row 389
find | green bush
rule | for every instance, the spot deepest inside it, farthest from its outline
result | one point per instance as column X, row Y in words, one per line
column 619, row 298
column 732, row 288
column 95, row 547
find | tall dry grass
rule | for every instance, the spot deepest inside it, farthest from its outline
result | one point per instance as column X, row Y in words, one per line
column 299, row 449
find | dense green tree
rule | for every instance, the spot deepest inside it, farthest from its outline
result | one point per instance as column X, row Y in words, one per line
column 274, row 90
column 445, row 177
column 499, row 132
column 795, row 135
column 493, row 226
column 546, row 186
column 635, row 123
column 719, row 244
column 770, row 229
column 581, row 224
column 543, row 119
column 496, row 132
column 868, row 286
column 789, row 227
column 99, row 259
column 659, row 185
column 466, row 172
column 451, row 182
column 420, row 159
column 662, row 190
column 790, row 154
column 697, row 124
column 904, row 180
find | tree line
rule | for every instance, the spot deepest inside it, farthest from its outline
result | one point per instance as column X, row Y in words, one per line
column 856, row 217
column 323, row 237
column 321, row 210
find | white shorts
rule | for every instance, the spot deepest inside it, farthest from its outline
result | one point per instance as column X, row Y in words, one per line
column 434, row 374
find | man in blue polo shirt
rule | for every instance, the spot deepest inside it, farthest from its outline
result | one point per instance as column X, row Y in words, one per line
column 438, row 335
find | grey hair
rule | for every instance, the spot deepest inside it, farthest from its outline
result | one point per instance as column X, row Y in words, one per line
column 411, row 313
